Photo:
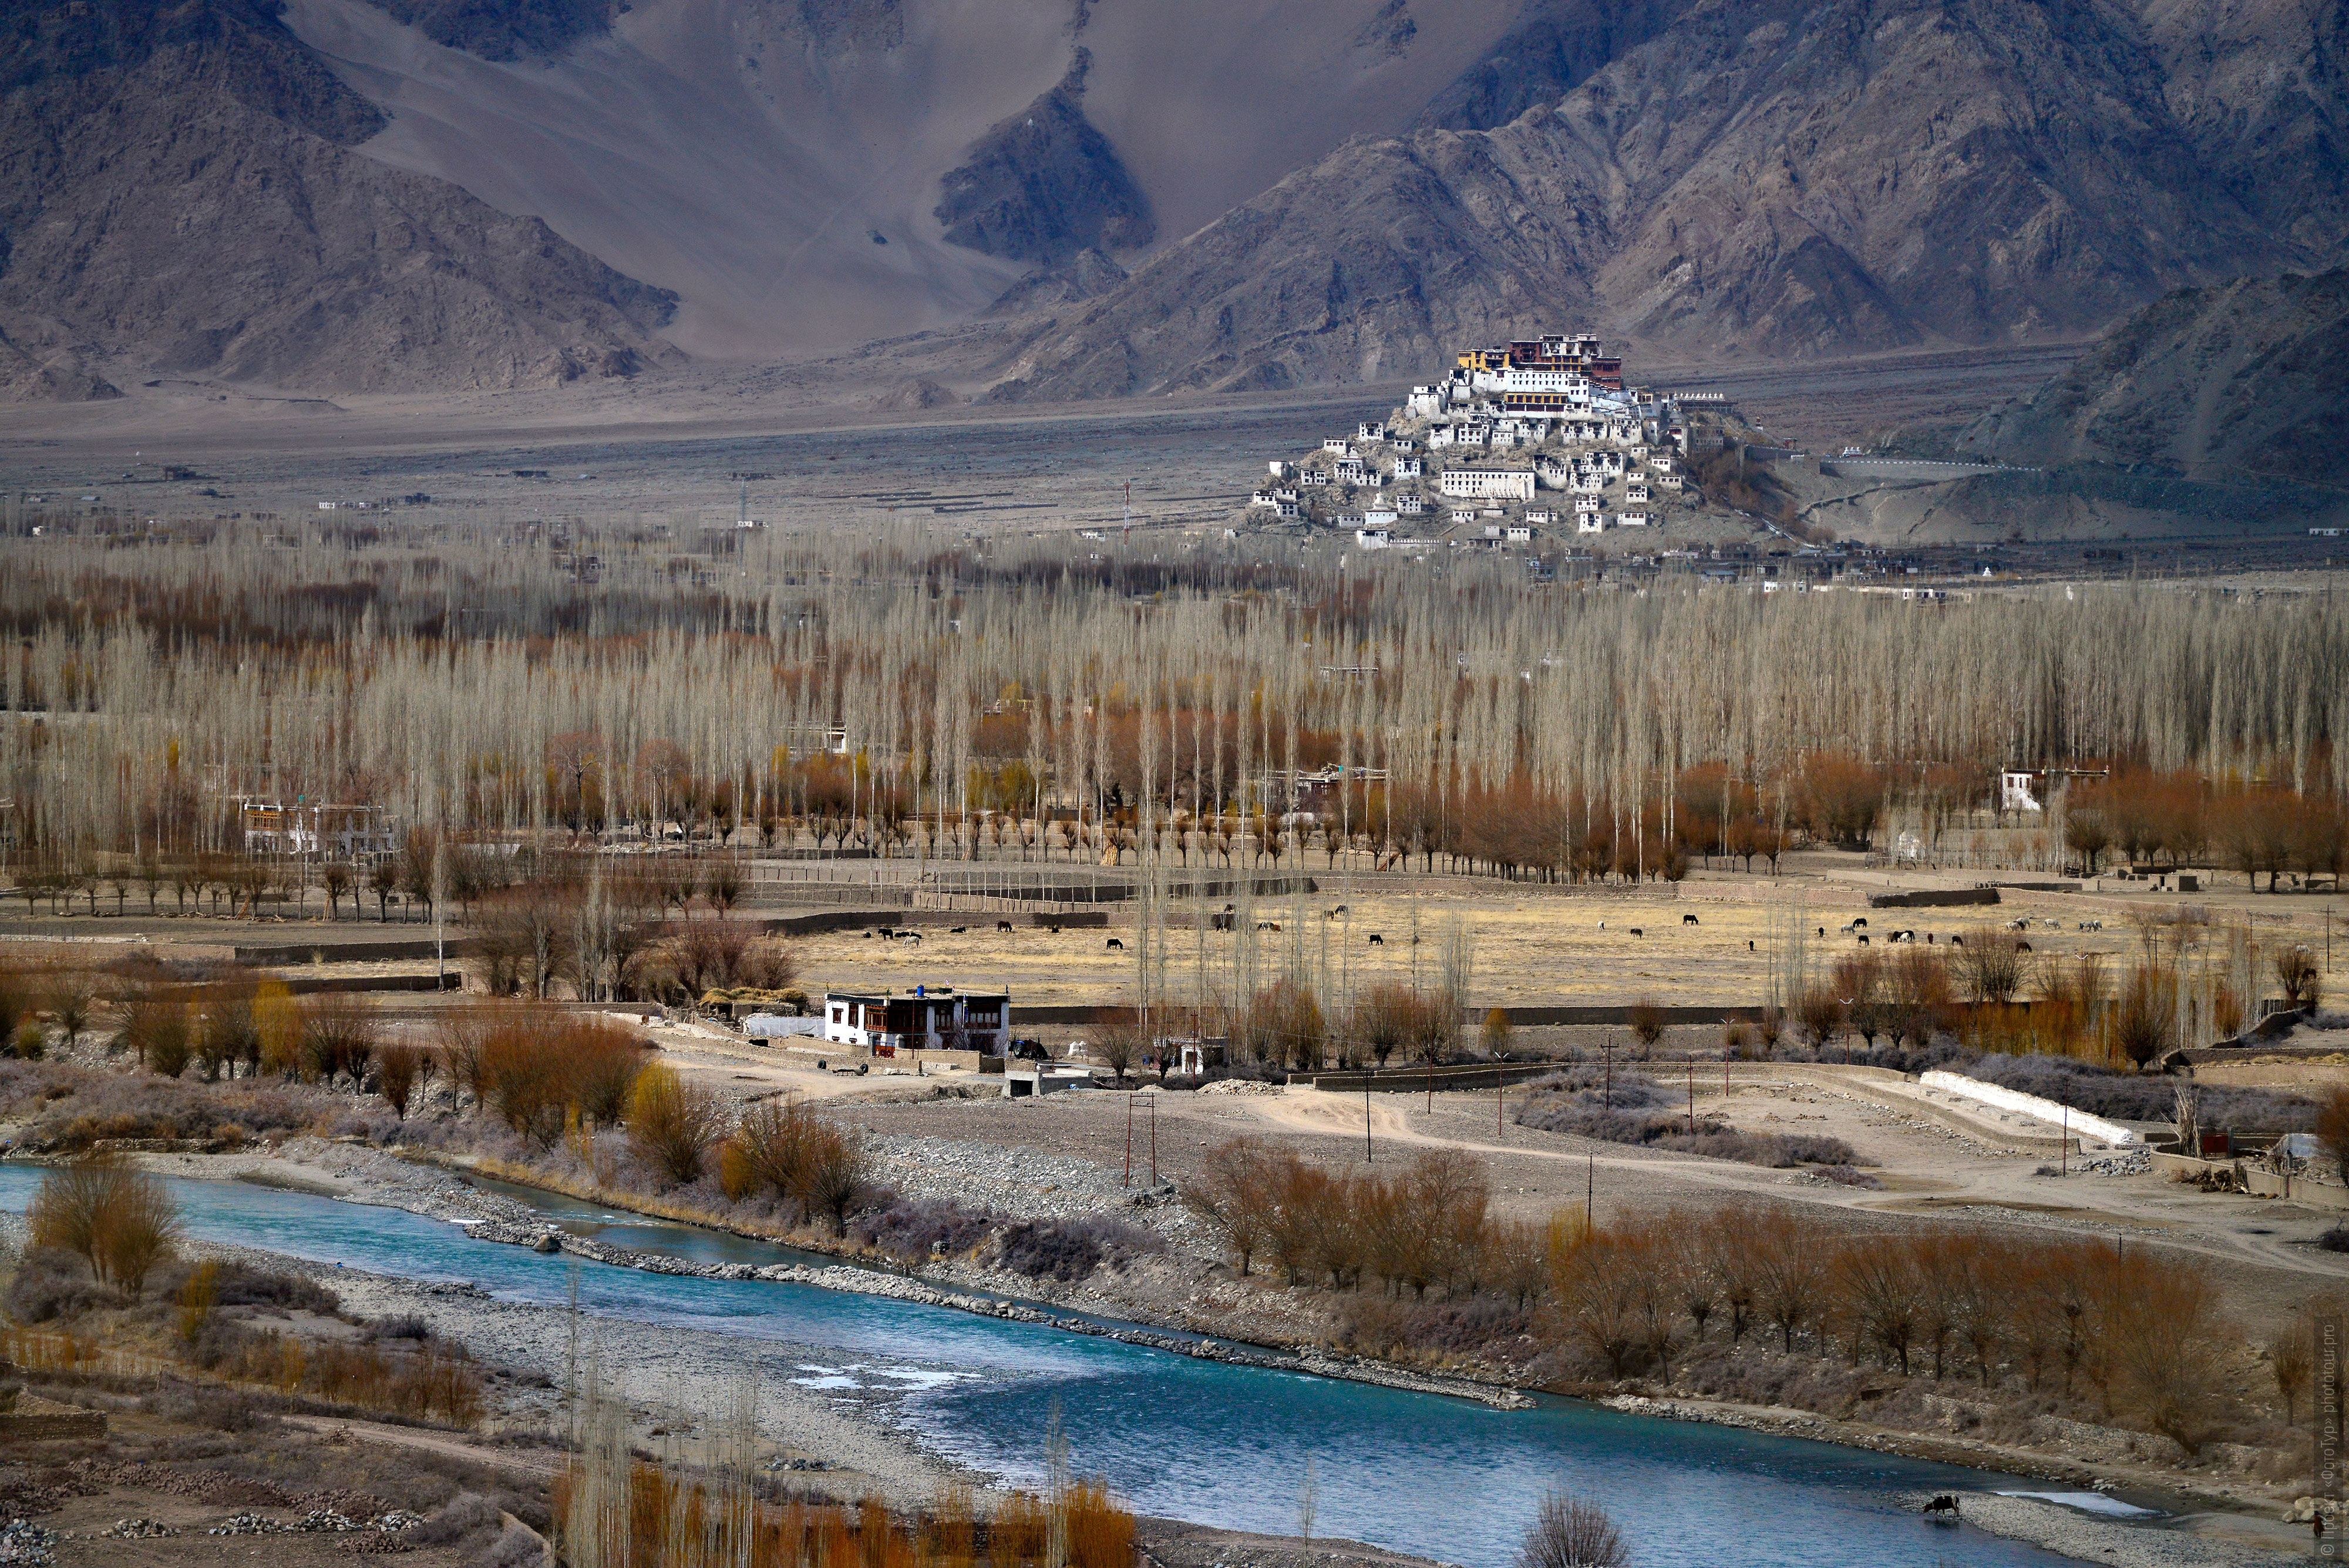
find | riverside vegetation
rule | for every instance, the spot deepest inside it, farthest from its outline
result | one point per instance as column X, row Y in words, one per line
column 2017, row 1342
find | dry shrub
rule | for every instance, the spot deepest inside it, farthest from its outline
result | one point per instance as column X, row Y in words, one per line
column 605, row 1059
column 2144, row 1014
column 197, row 1296
column 916, row 1229
column 1647, row 1022
column 1283, row 1026
column 156, row 1030
column 396, row 1070
column 1423, row 1226
column 432, row 1382
column 2333, row 1126
column 534, row 1065
column 673, row 1124
column 338, row 1040
column 1570, row 1533
column 1990, row 964
column 1068, row 1247
column 1100, row 1534
column 118, row 1220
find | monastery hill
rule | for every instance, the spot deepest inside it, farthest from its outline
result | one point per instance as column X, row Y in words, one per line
column 1539, row 437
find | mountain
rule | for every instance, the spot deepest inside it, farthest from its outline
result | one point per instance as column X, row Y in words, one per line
column 1108, row 200
column 1766, row 177
column 813, row 175
column 178, row 190
column 2250, row 379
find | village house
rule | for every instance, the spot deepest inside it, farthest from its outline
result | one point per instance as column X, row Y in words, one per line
column 1409, row 505
column 304, row 828
column 1630, row 519
column 928, row 1018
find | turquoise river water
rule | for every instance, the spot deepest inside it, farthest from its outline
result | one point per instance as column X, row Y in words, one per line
column 1180, row 1437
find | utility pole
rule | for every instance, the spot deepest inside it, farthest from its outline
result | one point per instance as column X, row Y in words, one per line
column 1129, row 1138
column 1154, row 1140
column 1367, row 1071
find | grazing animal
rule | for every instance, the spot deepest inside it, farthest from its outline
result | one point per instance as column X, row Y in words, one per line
column 956, row 930
column 1860, row 922
column 1377, row 940
column 1055, row 930
column 1944, row 1507
column 1957, row 941
column 1118, row 945
column 1823, row 930
column 1863, row 939
column 886, row 933
column 1266, row 926
column 913, row 937
column 1222, row 921
column 2018, row 925
column 1843, row 930
column 1602, row 925
column 1002, row 925
column 1928, row 938
column 1638, row 932
column 1904, row 936
column 1749, row 945
column 2023, row 947
column 868, row 936
column 1688, row 921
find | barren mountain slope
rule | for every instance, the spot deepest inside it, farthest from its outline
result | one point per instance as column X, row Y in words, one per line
column 1800, row 176
column 2251, row 378
column 813, row 175
column 177, row 189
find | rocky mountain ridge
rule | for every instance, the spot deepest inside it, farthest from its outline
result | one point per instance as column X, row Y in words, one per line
column 381, row 195
column 1786, row 178
column 2246, row 381
column 178, row 185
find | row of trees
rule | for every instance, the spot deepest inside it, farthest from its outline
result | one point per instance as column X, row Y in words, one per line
column 887, row 686
column 2182, row 818
column 2134, row 1333
column 1430, row 1224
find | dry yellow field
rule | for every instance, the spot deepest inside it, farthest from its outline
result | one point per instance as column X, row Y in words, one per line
column 1534, row 948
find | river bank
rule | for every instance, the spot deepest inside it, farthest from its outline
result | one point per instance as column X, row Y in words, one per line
column 691, row 1358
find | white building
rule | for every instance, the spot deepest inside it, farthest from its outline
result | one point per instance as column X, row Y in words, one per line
column 928, row 1018
column 1631, row 520
column 1372, row 538
column 1590, row 521
column 1409, row 505
column 1370, row 430
column 1489, row 483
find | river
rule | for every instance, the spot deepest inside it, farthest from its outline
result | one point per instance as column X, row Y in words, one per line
column 1176, row 1436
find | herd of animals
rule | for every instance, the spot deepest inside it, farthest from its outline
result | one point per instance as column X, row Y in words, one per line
column 1224, row 922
